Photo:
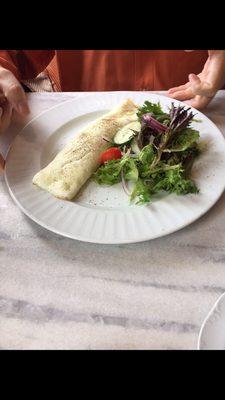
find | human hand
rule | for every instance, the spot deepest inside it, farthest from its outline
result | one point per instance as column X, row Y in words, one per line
column 201, row 88
column 2, row 162
column 12, row 96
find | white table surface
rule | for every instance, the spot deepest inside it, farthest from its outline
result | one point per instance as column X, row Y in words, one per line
column 57, row 293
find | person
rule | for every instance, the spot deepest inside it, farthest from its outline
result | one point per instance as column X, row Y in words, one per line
column 193, row 76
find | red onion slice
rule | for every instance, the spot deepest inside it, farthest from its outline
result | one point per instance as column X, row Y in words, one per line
column 151, row 122
column 124, row 184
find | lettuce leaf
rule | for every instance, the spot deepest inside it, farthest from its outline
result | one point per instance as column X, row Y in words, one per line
column 183, row 141
column 147, row 155
column 142, row 192
column 130, row 170
column 153, row 108
column 174, row 182
column 109, row 173
column 170, row 180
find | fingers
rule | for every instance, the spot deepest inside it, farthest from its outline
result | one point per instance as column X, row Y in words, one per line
column 2, row 163
column 182, row 95
column 5, row 116
column 16, row 96
column 13, row 91
column 5, row 119
column 199, row 102
column 195, row 87
column 178, row 88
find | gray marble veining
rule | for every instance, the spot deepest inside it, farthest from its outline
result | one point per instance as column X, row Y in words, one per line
column 56, row 293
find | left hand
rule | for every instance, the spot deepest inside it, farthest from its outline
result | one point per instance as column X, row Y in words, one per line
column 5, row 117
column 201, row 88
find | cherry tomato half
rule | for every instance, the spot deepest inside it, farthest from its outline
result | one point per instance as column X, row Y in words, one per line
column 113, row 153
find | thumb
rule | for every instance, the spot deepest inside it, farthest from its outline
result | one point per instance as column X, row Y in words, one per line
column 194, row 80
column 201, row 88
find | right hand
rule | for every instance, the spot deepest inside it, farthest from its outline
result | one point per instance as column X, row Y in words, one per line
column 201, row 88
column 12, row 96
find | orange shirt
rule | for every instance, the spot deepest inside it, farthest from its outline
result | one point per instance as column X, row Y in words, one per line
column 103, row 70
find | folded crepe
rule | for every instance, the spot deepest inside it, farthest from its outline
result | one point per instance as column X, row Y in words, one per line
column 79, row 159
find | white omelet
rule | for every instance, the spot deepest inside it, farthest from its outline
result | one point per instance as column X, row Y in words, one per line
column 79, row 159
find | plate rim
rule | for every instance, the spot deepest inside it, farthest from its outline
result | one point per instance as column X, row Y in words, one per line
column 206, row 319
column 124, row 241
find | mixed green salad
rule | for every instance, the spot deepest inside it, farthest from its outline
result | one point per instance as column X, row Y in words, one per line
column 153, row 154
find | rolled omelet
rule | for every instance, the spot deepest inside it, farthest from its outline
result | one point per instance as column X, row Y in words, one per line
column 79, row 159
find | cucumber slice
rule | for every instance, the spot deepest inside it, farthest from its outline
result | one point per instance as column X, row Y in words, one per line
column 135, row 147
column 126, row 133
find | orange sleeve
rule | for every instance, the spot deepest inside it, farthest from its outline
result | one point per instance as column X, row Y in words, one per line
column 26, row 64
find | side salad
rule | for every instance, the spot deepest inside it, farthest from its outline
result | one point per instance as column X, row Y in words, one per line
column 153, row 154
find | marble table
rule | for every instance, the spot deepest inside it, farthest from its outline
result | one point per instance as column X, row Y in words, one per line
column 57, row 293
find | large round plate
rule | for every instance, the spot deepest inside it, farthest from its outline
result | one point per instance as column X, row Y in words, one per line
column 103, row 214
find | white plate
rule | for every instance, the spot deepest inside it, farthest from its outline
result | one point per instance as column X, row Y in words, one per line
column 212, row 333
column 103, row 214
